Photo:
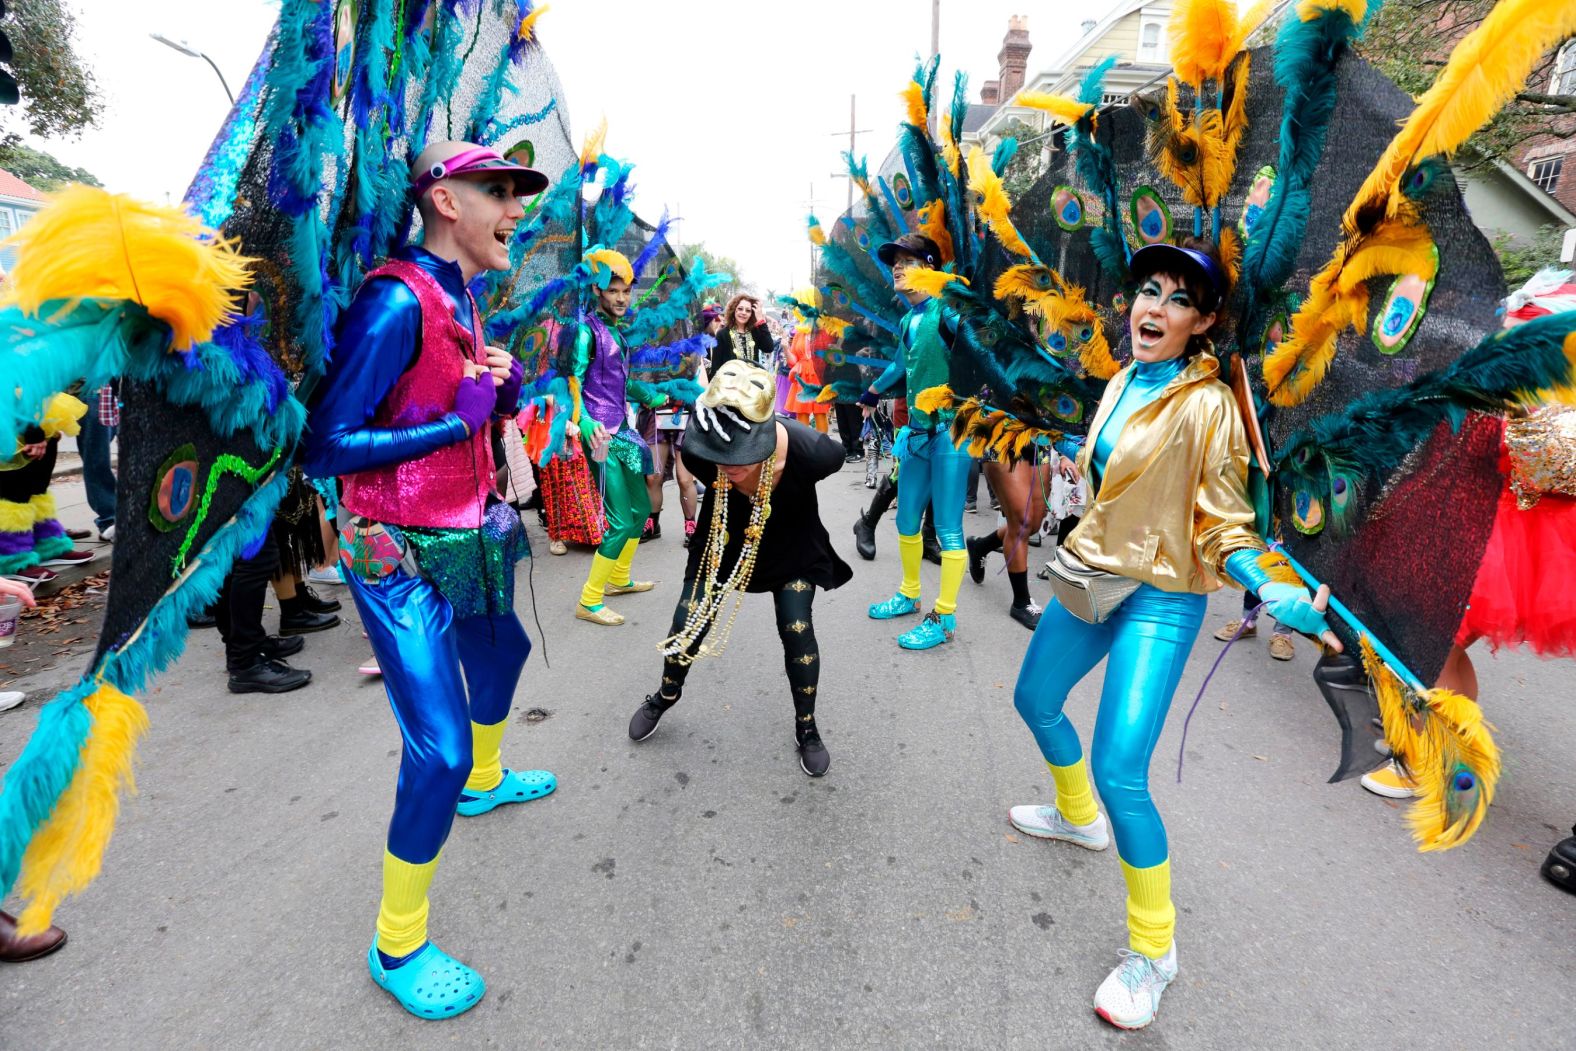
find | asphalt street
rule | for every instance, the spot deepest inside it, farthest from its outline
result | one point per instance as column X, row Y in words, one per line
column 698, row 891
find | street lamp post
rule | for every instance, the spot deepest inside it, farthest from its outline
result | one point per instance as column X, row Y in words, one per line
column 186, row 49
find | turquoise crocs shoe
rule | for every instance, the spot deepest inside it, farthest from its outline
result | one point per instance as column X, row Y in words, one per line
column 431, row 984
column 516, row 787
column 899, row 605
column 935, row 629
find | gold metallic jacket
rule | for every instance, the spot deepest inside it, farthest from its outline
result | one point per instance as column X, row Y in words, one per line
column 1173, row 501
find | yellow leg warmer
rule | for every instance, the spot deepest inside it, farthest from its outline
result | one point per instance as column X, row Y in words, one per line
column 1074, row 796
column 626, row 560
column 596, row 581
column 402, row 918
column 911, row 551
column 1151, row 918
column 953, row 563
column 44, row 507
column 486, row 757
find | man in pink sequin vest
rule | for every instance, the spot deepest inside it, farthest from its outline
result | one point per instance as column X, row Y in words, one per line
column 403, row 418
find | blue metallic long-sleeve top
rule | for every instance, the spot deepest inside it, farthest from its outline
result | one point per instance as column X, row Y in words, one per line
column 378, row 339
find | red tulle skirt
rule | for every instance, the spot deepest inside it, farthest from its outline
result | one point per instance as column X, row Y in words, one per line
column 1525, row 592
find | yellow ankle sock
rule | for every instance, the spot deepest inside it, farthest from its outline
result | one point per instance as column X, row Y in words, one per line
column 1151, row 918
column 486, row 757
column 626, row 560
column 953, row 563
column 1074, row 796
column 911, row 551
column 596, row 582
column 402, row 918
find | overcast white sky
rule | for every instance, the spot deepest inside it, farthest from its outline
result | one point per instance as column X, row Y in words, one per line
column 727, row 109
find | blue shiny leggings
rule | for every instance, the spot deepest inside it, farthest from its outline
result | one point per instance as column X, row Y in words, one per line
column 423, row 650
column 933, row 471
column 1148, row 639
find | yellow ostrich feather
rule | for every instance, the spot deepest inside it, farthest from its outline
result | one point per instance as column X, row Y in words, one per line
column 836, row 326
column 62, row 415
column 1064, row 108
column 933, row 399
column 1025, row 281
column 67, row 851
column 614, row 261
column 949, row 149
column 993, row 204
column 914, row 102
column 1205, row 35
column 90, row 243
column 1308, row 10
column 593, row 144
column 1485, row 71
column 1222, row 165
column 817, row 235
column 528, row 23
column 930, row 282
column 1231, row 254
column 1437, row 736
column 931, row 221
column 1279, row 570
column 1095, row 355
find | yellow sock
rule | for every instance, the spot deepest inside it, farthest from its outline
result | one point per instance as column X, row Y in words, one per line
column 953, row 563
column 911, row 551
column 596, row 581
column 402, row 918
column 1074, row 796
column 486, row 757
column 1151, row 918
column 626, row 559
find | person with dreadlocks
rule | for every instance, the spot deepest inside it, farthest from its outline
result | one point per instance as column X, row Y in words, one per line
column 402, row 418
column 934, row 470
column 601, row 386
column 760, row 531
column 1170, row 522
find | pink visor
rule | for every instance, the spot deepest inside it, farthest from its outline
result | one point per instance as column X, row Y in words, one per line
column 479, row 160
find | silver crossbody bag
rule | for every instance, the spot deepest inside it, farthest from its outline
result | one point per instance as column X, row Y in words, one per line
column 1091, row 595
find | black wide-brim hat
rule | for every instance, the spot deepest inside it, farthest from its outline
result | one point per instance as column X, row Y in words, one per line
column 917, row 245
column 734, row 423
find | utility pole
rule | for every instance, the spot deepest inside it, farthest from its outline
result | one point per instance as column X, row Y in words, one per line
column 935, row 27
column 853, row 133
column 809, row 209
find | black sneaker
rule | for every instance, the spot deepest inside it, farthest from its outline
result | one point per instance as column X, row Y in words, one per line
column 864, row 538
column 1559, row 868
column 1028, row 616
column 858, row 457
column 813, row 756
column 269, row 676
column 315, row 603
column 970, row 507
column 202, row 618
column 976, row 560
column 644, row 722
column 302, row 621
column 278, row 648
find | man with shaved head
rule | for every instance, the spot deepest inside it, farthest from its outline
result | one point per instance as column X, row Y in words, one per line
column 403, row 419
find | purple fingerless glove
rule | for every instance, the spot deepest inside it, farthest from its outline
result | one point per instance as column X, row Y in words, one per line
column 474, row 401
column 509, row 392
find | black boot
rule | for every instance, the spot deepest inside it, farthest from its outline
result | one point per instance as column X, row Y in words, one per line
column 296, row 619
column 311, row 600
column 644, row 722
column 865, row 536
column 976, row 554
column 268, row 676
column 277, row 647
column 1559, row 868
column 814, row 759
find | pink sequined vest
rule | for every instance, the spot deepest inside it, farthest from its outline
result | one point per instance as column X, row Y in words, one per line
column 447, row 488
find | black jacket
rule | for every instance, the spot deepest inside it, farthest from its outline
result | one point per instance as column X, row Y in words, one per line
column 723, row 353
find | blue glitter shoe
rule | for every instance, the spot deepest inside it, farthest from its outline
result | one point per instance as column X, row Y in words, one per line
column 516, row 787
column 431, row 984
column 935, row 629
column 899, row 605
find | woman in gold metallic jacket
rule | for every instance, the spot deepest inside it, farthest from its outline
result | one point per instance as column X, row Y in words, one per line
column 1168, row 458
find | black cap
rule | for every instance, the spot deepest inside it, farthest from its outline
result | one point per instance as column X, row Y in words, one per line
column 917, row 245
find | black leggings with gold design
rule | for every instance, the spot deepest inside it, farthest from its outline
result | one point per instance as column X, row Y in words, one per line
column 795, row 627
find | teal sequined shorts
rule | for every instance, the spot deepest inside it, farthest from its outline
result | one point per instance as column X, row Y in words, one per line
column 473, row 568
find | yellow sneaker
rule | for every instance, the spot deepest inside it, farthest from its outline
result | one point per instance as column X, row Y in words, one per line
column 1228, row 630
column 603, row 616
column 1391, row 782
column 634, row 587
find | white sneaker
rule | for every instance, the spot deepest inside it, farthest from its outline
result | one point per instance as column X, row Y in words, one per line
column 324, row 575
column 107, row 534
column 1046, row 822
column 10, row 699
column 1130, row 995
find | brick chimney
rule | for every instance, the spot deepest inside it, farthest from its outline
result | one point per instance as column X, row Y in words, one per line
column 1014, row 57
column 990, row 93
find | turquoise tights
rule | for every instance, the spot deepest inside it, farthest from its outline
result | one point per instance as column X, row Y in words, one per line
column 1148, row 639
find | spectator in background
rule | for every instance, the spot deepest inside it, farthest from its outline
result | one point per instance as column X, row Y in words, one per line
column 745, row 336
column 98, row 430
